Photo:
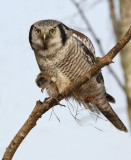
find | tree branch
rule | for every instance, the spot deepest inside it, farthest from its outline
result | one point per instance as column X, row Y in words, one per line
column 97, row 41
column 42, row 107
column 114, row 19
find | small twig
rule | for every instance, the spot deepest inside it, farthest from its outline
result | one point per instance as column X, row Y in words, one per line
column 114, row 19
column 97, row 41
column 41, row 108
column 96, row 127
column 55, row 114
column 77, row 120
column 52, row 112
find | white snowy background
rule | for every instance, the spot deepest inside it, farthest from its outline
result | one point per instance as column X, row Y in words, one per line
column 95, row 138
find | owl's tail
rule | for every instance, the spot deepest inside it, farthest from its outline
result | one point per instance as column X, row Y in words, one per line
column 104, row 107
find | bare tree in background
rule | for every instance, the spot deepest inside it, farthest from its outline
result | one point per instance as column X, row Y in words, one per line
column 120, row 25
column 96, row 38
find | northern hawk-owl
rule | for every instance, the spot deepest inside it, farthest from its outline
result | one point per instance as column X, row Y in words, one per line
column 66, row 55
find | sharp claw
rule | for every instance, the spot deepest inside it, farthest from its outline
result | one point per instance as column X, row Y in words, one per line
column 42, row 90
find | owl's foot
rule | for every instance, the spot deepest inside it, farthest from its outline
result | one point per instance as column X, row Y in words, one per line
column 40, row 80
column 43, row 80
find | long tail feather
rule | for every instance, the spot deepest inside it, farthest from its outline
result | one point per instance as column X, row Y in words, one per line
column 105, row 108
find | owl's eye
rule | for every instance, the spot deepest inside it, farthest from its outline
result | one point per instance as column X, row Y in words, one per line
column 37, row 31
column 52, row 31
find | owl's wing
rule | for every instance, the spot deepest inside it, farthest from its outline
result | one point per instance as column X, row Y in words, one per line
column 88, row 44
column 85, row 40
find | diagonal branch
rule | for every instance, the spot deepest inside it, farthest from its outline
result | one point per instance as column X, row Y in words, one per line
column 42, row 107
column 97, row 41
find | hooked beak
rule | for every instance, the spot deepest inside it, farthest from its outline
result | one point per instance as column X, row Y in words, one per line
column 44, row 36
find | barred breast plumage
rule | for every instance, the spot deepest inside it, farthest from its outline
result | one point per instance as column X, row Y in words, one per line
column 67, row 56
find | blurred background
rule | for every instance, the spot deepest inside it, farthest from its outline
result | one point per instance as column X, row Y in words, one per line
column 64, row 132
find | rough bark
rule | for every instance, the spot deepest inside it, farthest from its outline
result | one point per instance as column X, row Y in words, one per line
column 120, row 26
column 125, row 11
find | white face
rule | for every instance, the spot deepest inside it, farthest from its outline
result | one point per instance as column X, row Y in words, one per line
column 46, row 38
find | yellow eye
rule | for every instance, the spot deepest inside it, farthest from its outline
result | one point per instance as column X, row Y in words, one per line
column 52, row 31
column 37, row 31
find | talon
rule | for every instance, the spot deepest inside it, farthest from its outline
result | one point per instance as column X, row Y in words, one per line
column 42, row 90
column 61, row 104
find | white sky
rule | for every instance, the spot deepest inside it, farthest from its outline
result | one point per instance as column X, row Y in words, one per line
column 52, row 140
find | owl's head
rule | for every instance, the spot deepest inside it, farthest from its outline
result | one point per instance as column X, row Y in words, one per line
column 48, row 34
